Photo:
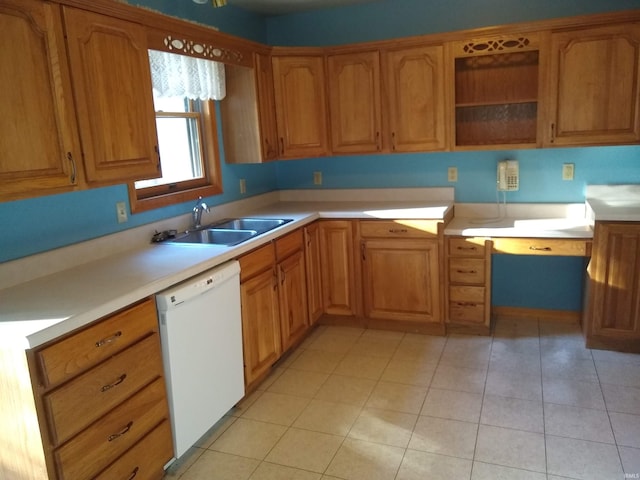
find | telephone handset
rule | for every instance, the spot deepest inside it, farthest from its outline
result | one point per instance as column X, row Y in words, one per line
column 508, row 177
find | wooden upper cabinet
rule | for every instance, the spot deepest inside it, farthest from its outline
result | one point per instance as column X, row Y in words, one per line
column 594, row 86
column 38, row 133
column 301, row 117
column 354, row 102
column 415, row 79
column 266, row 107
column 112, row 86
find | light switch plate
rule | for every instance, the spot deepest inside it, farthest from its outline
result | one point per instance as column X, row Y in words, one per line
column 568, row 170
column 452, row 174
column 317, row 178
column 121, row 211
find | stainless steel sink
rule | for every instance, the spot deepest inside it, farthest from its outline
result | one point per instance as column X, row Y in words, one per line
column 260, row 225
column 216, row 236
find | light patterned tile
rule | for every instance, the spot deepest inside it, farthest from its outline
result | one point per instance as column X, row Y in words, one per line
column 626, row 429
column 622, row 399
column 375, row 347
column 448, row 377
column 581, row 459
column 327, row 417
column 514, row 384
column 276, row 408
column 362, row 366
column 577, row 422
column 384, row 426
column 333, row 342
column 446, row 437
column 423, row 465
column 486, row 471
column 397, row 397
column 409, row 372
column 271, row 471
column 299, row 383
column 574, row 393
column 249, row 438
column 512, row 413
column 339, row 388
column 220, row 466
column 305, row 450
column 511, row 448
column 630, row 461
column 569, row 368
column 360, row 460
column 453, row 405
column 615, row 373
column 317, row 361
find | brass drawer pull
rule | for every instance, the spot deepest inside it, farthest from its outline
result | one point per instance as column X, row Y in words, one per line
column 466, row 304
column 467, row 271
column 471, row 249
column 114, row 384
column 112, row 437
column 397, row 230
column 134, row 473
column 108, row 340
column 541, row 249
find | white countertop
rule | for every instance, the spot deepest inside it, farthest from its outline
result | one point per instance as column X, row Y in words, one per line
column 44, row 308
column 613, row 203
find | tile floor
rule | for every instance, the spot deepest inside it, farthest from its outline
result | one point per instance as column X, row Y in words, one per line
column 529, row 403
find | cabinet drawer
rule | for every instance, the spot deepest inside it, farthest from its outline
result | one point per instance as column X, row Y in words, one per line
column 289, row 244
column 115, row 433
column 74, row 354
column 79, row 402
column 399, row 228
column 468, row 312
column 542, row 246
column 463, row 247
column 466, row 270
column 257, row 261
column 145, row 461
column 464, row 293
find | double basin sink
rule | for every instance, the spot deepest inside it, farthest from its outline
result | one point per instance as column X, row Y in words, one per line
column 230, row 232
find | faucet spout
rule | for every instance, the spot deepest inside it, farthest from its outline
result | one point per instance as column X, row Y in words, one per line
column 196, row 213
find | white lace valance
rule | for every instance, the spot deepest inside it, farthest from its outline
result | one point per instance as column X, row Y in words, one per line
column 175, row 75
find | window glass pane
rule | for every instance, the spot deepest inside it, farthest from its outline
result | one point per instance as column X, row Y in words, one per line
column 180, row 153
column 170, row 104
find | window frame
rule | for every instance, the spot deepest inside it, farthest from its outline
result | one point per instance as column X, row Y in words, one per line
column 211, row 184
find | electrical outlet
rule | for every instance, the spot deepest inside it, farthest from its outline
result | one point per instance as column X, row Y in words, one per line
column 568, row 170
column 121, row 211
column 243, row 186
column 452, row 174
column 317, row 178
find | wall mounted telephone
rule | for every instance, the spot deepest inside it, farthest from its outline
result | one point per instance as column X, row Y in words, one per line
column 508, row 177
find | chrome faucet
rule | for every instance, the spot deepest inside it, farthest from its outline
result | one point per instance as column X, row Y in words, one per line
column 196, row 213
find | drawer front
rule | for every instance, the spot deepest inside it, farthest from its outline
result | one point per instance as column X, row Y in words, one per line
column 399, row 229
column 467, row 312
column 466, row 270
column 89, row 347
column 466, row 293
column 542, row 246
column 463, row 247
column 79, row 402
column 257, row 261
column 145, row 461
column 289, row 244
column 115, row 433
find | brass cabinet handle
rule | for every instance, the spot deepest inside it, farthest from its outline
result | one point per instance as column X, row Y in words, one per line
column 108, row 387
column 466, row 304
column 553, row 132
column 398, row 230
column 134, row 473
column 111, row 339
column 540, row 249
column 113, row 436
column 472, row 249
column 73, row 167
column 281, row 146
column 466, row 271
column 393, row 141
column 378, row 141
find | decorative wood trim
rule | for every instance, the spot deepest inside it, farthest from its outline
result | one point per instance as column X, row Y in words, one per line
column 558, row 316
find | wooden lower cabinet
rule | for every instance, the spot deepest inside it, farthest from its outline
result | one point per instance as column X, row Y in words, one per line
column 338, row 274
column 612, row 315
column 400, row 280
column 260, row 312
column 98, row 403
column 314, row 267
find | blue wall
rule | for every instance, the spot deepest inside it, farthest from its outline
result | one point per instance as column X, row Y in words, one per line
column 40, row 224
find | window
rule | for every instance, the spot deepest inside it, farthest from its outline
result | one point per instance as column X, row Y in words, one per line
column 183, row 93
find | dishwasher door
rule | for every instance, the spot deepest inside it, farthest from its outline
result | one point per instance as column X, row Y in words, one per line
column 201, row 336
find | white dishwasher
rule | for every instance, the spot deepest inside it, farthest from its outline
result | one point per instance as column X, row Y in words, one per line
column 201, row 336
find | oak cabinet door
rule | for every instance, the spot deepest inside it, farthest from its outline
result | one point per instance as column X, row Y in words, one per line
column 260, row 324
column 400, row 280
column 354, row 102
column 38, row 130
column 112, row 86
column 415, row 79
column 614, row 293
column 266, row 107
column 301, row 116
column 294, row 316
column 338, row 277
column 314, row 267
column 594, row 86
